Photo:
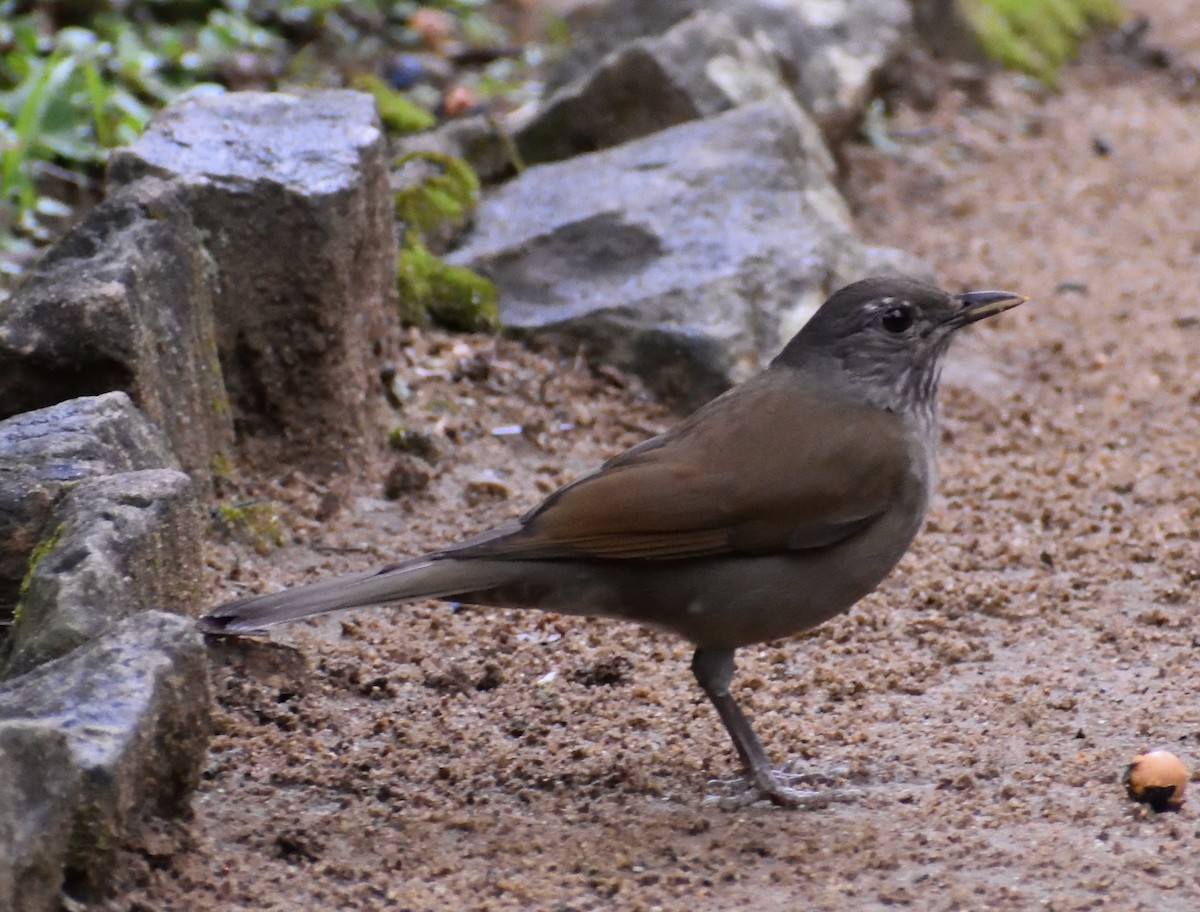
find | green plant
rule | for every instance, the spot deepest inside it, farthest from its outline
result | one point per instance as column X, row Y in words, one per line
column 1037, row 36
column 68, row 96
column 78, row 79
column 61, row 108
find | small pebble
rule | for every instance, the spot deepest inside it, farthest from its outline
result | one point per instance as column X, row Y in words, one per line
column 404, row 72
column 405, row 476
column 458, row 101
column 435, row 26
column 484, row 488
column 1157, row 778
column 407, row 440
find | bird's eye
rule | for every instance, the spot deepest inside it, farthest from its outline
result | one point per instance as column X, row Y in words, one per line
column 897, row 319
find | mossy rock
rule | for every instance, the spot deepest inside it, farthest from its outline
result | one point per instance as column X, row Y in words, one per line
column 451, row 296
column 443, row 194
column 36, row 556
column 440, row 197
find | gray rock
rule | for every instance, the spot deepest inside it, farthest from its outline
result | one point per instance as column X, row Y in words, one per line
column 39, row 791
column 879, row 261
column 115, row 729
column 290, row 192
column 688, row 256
column 46, row 452
column 121, row 544
column 830, row 51
column 134, row 709
column 700, row 66
column 124, row 302
column 946, row 31
column 476, row 139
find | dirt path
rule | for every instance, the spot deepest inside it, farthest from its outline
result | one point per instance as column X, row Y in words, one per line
column 985, row 699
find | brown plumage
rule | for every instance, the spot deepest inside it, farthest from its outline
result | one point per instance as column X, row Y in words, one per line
column 705, row 488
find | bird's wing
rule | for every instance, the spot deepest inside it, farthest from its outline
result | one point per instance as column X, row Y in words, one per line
column 768, row 467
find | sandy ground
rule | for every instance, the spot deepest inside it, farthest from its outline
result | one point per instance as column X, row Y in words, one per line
column 984, row 700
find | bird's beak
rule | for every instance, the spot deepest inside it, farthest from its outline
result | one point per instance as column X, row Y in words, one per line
column 978, row 305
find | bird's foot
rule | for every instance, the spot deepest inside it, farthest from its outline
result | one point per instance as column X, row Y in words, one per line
column 779, row 787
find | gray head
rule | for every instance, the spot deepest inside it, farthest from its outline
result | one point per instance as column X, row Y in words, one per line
column 884, row 338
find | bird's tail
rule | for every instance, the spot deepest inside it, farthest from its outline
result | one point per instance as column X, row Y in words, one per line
column 421, row 577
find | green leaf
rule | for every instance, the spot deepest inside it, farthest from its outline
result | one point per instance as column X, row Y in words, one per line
column 97, row 93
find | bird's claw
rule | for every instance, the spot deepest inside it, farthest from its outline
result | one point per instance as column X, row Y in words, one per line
column 778, row 787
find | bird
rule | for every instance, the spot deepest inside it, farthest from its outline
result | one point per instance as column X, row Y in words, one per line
column 773, row 508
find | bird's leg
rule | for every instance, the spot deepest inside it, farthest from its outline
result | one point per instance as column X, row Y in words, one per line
column 713, row 669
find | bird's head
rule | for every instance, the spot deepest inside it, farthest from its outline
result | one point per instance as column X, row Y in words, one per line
column 883, row 339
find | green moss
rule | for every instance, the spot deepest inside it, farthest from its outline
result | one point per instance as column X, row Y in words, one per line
column 451, row 296
column 222, row 465
column 443, row 197
column 1036, row 36
column 252, row 521
column 430, row 288
column 36, row 556
column 398, row 114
